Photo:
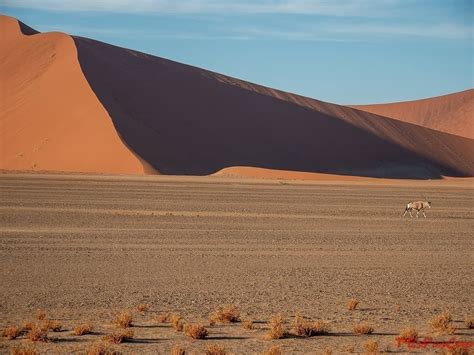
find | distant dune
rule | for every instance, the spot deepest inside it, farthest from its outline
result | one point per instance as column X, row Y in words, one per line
column 183, row 120
column 50, row 119
column 453, row 113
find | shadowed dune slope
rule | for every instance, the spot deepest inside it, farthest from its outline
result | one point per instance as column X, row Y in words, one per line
column 186, row 120
column 453, row 113
column 50, row 119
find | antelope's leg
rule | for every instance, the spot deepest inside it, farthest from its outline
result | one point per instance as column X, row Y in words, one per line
column 405, row 213
column 417, row 213
column 424, row 215
column 411, row 216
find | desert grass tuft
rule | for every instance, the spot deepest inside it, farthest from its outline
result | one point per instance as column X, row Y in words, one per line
column 29, row 350
column 176, row 321
column 327, row 351
column 352, row 304
column 277, row 327
column 225, row 314
column 163, row 317
column 371, row 347
column 308, row 328
column 123, row 319
column 248, row 324
column 40, row 314
column 82, row 329
column 442, row 324
column 272, row 350
column 362, row 328
column 53, row 325
column 119, row 336
column 27, row 326
column 142, row 308
column 11, row 332
column 38, row 333
column 101, row 348
column 469, row 322
column 215, row 349
column 195, row 331
column 408, row 335
column 178, row 350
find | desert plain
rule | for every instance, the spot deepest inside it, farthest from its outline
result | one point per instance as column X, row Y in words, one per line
column 84, row 247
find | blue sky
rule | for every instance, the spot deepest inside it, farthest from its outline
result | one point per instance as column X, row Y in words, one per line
column 349, row 52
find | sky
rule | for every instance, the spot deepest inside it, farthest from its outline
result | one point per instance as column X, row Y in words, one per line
column 341, row 51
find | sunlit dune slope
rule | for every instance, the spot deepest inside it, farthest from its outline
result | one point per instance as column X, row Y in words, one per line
column 50, row 119
column 453, row 113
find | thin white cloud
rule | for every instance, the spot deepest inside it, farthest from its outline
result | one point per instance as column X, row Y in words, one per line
column 333, row 28
column 442, row 31
column 147, row 34
column 323, row 33
column 337, row 32
column 293, row 35
column 310, row 7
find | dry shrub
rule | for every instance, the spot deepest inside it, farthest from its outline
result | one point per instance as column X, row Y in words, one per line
column 101, row 348
column 307, row 328
column 38, row 333
column 163, row 317
column 248, row 324
column 408, row 335
column 142, row 308
column 82, row 329
column 40, row 314
column 352, row 304
column 215, row 349
column 277, row 327
column 195, row 331
column 124, row 319
column 469, row 322
column 362, row 328
column 272, row 350
column 29, row 350
column 178, row 350
column 27, row 326
column 53, row 325
column 371, row 347
column 119, row 336
column 442, row 324
column 176, row 321
column 11, row 332
column 225, row 314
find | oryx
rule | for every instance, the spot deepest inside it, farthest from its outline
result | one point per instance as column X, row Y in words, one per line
column 417, row 206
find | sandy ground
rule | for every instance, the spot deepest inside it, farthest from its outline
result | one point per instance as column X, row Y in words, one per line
column 84, row 247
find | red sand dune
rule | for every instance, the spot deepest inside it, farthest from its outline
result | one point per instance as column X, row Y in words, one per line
column 285, row 175
column 188, row 121
column 50, row 119
column 453, row 113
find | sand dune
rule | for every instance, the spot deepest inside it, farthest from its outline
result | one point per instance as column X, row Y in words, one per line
column 453, row 113
column 50, row 119
column 183, row 120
